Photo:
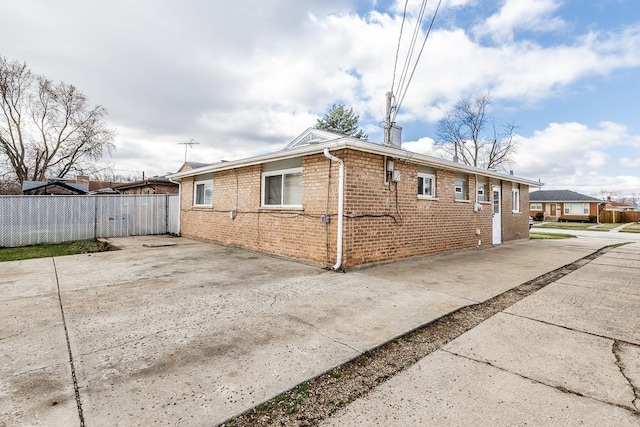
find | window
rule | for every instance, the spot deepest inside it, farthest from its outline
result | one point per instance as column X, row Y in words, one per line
column 426, row 186
column 203, row 192
column 516, row 197
column 482, row 192
column 282, row 188
column 460, row 188
column 535, row 206
column 146, row 191
column 576, row 208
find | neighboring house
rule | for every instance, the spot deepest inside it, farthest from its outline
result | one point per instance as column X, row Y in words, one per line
column 340, row 201
column 53, row 187
column 615, row 206
column 560, row 205
column 155, row 185
column 186, row 166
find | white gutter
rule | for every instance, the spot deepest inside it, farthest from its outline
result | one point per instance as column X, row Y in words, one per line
column 329, row 156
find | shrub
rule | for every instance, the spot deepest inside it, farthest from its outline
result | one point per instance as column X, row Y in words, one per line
column 592, row 218
column 539, row 216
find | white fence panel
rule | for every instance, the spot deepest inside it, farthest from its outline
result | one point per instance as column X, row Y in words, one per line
column 29, row 220
column 174, row 214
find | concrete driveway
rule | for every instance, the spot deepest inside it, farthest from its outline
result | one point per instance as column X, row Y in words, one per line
column 179, row 332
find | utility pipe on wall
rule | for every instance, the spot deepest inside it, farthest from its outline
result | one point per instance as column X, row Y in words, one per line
column 340, row 162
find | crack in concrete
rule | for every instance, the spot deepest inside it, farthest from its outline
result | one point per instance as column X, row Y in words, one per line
column 66, row 333
column 557, row 387
column 580, row 331
column 615, row 349
column 304, row 322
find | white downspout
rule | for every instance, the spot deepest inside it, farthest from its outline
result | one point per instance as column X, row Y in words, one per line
column 329, row 156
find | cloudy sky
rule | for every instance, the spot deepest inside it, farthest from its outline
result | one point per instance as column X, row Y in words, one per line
column 245, row 77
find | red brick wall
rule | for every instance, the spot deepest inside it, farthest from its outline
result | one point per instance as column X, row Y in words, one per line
column 515, row 225
column 292, row 233
column 381, row 222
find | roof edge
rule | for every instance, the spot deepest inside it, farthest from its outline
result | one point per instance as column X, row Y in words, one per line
column 352, row 143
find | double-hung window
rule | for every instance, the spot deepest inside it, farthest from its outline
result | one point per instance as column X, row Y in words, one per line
column 482, row 192
column 203, row 190
column 516, row 197
column 460, row 186
column 282, row 188
column 535, row 206
column 426, row 186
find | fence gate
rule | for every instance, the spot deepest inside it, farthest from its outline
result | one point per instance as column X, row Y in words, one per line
column 29, row 220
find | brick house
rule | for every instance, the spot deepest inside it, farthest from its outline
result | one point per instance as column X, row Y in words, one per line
column 340, row 201
column 563, row 205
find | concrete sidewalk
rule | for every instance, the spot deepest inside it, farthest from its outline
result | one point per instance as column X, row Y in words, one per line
column 180, row 332
column 566, row 355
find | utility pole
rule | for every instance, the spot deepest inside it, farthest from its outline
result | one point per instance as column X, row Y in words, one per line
column 387, row 119
column 188, row 144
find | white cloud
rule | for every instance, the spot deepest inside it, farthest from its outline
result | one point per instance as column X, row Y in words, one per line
column 421, row 146
column 246, row 77
column 573, row 155
column 630, row 163
column 533, row 15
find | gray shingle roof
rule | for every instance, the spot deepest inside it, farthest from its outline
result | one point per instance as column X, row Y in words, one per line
column 560, row 196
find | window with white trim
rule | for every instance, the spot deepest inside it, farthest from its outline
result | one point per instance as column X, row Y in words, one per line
column 535, row 206
column 576, row 208
column 461, row 191
column 483, row 196
column 515, row 192
column 426, row 186
column 282, row 188
column 203, row 191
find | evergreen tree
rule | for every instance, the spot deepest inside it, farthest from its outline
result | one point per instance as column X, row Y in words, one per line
column 341, row 120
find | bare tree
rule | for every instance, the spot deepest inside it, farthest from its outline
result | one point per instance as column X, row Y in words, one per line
column 464, row 135
column 48, row 129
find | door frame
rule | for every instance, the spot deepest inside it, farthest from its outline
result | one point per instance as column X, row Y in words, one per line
column 496, row 206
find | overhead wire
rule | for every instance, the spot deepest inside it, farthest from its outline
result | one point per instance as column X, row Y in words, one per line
column 435, row 13
column 405, row 77
column 412, row 44
column 395, row 64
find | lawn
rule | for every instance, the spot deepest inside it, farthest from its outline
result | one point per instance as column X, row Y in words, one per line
column 631, row 228
column 574, row 226
column 47, row 250
column 549, row 236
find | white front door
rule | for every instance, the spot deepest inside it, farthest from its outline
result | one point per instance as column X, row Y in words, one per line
column 497, row 217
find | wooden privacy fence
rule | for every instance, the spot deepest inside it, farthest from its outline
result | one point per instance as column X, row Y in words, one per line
column 613, row 217
column 29, row 220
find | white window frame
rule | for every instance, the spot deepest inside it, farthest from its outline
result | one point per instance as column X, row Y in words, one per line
column 463, row 194
column 535, row 206
column 282, row 173
column 515, row 193
column 482, row 191
column 432, row 178
column 584, row 208
column 206, row 183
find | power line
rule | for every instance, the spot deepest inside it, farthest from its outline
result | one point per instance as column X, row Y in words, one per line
column 395, row 65
column 412, row 45
column 397, row 107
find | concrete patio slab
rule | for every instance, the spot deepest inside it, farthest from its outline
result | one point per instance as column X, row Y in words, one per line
column 447, row 390
column 480, row 275
column 27, row 278
column 580, row 363
column 193, row 333
column 228, row 334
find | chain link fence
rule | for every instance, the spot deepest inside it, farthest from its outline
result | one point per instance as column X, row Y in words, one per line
column 29, row 220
